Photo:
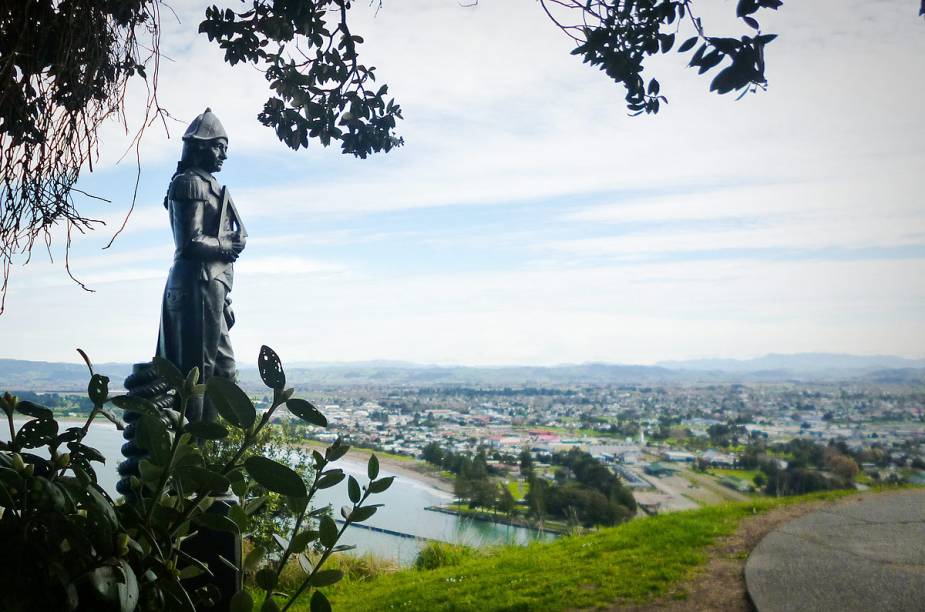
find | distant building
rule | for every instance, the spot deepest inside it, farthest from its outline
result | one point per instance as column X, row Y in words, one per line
column 718, row 459
column 661, row 469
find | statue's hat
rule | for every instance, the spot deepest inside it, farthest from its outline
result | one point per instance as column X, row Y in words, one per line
column 205, row 127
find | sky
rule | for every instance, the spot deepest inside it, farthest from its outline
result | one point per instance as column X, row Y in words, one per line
column 528, row 219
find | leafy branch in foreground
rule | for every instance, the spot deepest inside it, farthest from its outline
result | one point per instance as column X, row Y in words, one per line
column 617, row 36
column 309, row 56
column 75, row 548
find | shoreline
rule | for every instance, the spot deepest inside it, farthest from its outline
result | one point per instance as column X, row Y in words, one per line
column 412, row 468
column 556, row 528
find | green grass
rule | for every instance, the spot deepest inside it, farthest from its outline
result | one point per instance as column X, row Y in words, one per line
column 862, row 478
column 634, row 562
column 518, row 488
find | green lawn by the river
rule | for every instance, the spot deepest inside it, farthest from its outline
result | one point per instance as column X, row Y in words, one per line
column 634, row 562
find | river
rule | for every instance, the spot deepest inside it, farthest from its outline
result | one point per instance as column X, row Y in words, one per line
column 404, row 511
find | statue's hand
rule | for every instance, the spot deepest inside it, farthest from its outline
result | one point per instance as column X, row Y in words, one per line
column 229, row 314
column 238, row 243
column 229, row 255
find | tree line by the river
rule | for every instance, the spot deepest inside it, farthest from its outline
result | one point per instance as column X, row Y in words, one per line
column 571, row 486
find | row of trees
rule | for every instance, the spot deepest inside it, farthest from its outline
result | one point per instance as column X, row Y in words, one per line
column 583, row 491
column 809, row 467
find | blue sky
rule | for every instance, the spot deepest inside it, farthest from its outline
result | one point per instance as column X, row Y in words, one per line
column 528, row 219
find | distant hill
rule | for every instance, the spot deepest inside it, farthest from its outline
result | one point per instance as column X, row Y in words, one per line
column 349, row 373
column 52, row 376
column 49, row 376
column 902, row 376
column 798, row 363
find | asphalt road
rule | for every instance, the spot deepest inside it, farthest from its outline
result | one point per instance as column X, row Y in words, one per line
column 859, row 555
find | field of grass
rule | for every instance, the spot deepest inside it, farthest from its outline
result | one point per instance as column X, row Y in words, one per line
column 634, row 562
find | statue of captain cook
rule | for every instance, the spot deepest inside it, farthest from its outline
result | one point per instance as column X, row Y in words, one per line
column 209, row 236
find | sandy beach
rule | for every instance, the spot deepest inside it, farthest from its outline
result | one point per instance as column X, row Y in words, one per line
column 411, row 468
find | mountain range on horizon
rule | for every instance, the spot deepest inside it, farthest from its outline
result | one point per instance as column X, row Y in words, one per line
column 22, row 375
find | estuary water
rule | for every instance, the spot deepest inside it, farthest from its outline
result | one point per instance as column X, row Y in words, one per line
column 404, row 511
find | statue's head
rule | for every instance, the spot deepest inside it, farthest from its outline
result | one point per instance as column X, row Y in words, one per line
column 205, row 143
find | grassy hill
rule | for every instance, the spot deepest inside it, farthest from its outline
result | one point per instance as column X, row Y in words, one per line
column 633, row 563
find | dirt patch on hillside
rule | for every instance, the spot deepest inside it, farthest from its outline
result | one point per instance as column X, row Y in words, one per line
column 720, row 585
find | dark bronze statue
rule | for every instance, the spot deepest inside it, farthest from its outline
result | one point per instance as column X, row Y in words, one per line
column 195, row 318
column 209, row 236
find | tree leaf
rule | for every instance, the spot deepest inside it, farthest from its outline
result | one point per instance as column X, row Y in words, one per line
column 372, row 467
column 353, row 489
column 330, row 479
column 327, row 577
column 254, row 558
column 105, row 581
column 297, row 504
column 149, row 472
column 303, row 539
column 201, row 480
column 181, row 598
column 327, row 530
column 381, row 485
column 190, row 571
column 82, row 450
column 688, row 44
column 746, row 7
column 34, row 410
column 711, row 59
column 133, row 403
column 266, row 579
column 667, row 41
column 36, row 433
column 320, row 603
column 271, row 369
column 336, row 450
column 280, row 541
column 275, row 476
column 206, row 430
column 231, row 402
column 151, row 435
column 361, row 514
column 98, row 389
column 241, row 602
column 113, row 418
column 307, row 412
column 216, row 522
column 169, row 372
column 102, row 506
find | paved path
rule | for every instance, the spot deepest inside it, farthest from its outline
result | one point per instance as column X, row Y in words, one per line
column 863, row 554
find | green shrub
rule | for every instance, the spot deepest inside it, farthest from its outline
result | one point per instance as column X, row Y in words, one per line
column 68, row 545
column 441, row 554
